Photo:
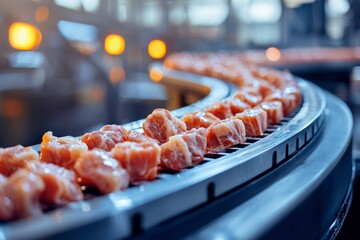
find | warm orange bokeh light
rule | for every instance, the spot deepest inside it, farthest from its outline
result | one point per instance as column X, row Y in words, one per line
column 157, row 49
column 156, row 74
column 114, row 44
column 42, row 14
column 116, row 74
column 24, row 36
column 273, row 54
column 98, row 93
column 13, row 108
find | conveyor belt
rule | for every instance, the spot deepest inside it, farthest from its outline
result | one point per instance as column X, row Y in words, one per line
column 139, row 208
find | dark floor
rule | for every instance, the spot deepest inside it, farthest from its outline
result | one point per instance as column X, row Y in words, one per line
column 351, row 226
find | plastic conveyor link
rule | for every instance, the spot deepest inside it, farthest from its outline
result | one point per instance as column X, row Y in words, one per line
column 212, row 156
column 252, row 139
column 231, row 150
column 272, row 128
column 269, row 130
column 242, row 145
column 265, row 134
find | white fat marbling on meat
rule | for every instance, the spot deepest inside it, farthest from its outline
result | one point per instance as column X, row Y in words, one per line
column 178, row 144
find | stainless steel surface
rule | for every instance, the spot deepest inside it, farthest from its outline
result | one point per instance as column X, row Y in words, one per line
column 122, row 213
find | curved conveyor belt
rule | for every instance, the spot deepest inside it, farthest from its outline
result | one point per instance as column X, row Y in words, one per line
column 266, row 175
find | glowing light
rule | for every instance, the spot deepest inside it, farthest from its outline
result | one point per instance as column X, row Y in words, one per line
column 157, row 49
column 156, row 74
column 258, row 11
column 24, row 36
column 98, row 93
column 210, row 14
column 13, row 108
column 116, row 74
column 114, row 44
column 273, row 54
column 90, row 5
column 296, row 3
column 42, row 14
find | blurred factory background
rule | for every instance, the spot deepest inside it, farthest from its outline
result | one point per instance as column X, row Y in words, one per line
column 72, row 65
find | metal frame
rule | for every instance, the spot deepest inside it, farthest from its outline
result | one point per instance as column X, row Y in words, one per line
column 306, row 198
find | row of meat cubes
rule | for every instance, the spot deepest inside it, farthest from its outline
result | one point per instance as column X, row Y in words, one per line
column 113, row 157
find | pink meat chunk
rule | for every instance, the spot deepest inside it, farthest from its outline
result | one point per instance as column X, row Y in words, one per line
column 184, row 150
